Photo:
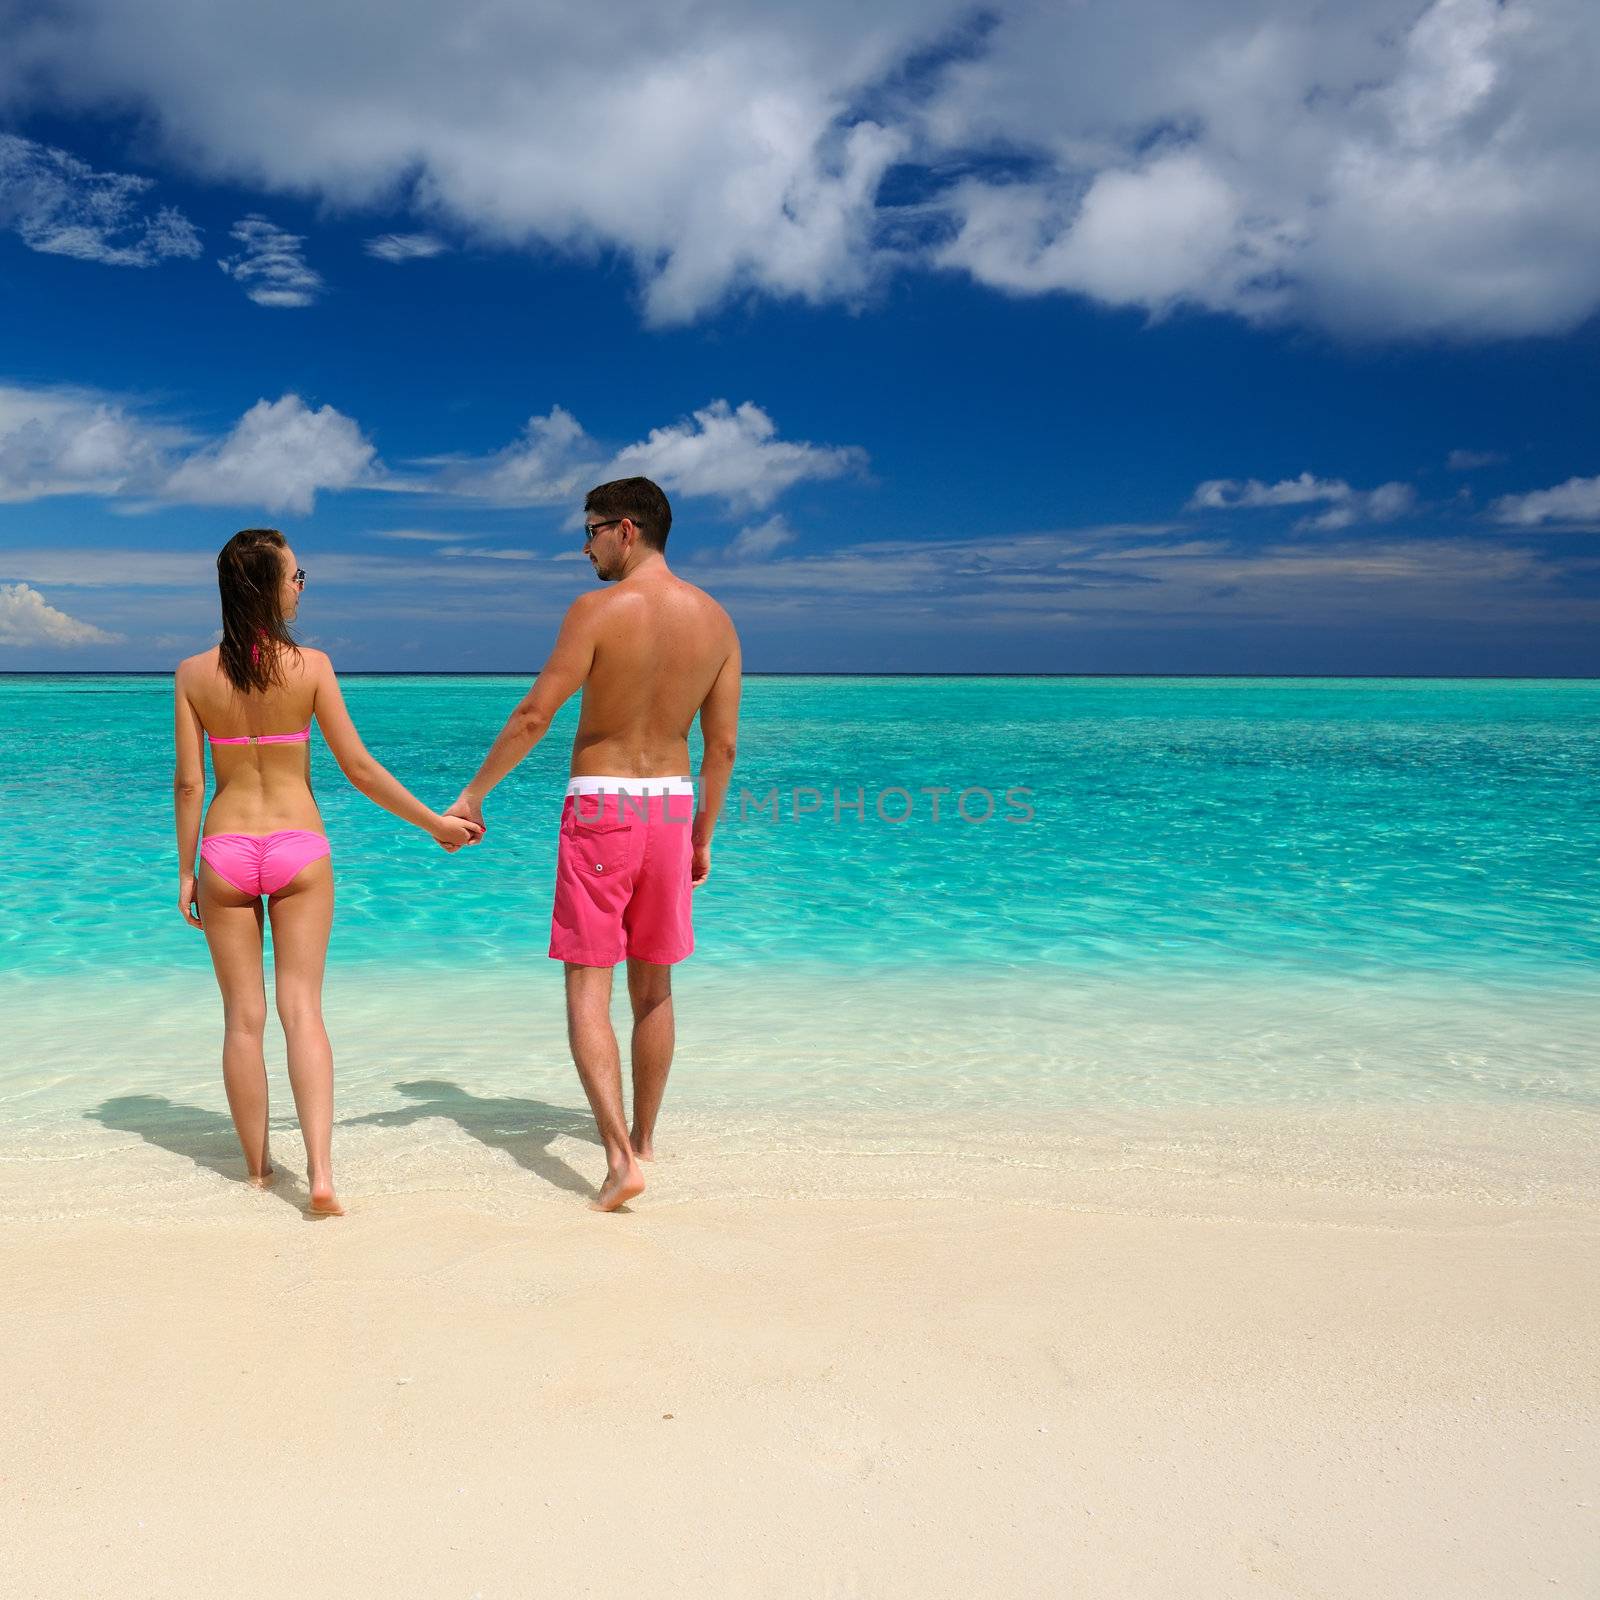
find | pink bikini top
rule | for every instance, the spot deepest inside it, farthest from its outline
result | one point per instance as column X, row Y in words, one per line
column 303, row 737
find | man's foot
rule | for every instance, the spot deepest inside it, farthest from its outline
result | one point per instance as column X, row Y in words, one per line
column 618, row 1189
column 324, row 1202
column 644, row 1149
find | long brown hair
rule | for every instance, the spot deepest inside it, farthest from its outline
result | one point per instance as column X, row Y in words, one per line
column 254, row 634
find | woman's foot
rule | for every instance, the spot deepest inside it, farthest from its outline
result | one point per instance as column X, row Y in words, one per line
column 324, row 1202
column 263, row 1179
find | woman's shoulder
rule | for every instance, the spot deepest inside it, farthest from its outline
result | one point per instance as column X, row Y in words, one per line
column 193, row 666
column 313, row 663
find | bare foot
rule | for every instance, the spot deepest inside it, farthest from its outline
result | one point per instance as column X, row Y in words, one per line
column 645, row 1149
column 324, row 1203
column 618, row 1188
column 262, row 1180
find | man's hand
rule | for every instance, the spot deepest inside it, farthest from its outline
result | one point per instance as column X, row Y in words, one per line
column 700, row 868
column 452, row 832
column 468, row 805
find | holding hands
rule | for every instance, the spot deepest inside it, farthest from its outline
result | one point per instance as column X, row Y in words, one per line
column 452, row 830
column 468, row 808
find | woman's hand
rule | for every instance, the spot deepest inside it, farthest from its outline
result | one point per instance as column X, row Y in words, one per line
column 188, row 903
column 453, row 832
column 468, row 805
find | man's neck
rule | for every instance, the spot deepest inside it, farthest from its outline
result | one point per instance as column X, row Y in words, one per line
column 644, row 561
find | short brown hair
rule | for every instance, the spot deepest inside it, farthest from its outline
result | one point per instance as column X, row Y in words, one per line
column 640, row 501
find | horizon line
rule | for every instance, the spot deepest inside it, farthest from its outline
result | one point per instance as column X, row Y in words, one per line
column 1252, row 677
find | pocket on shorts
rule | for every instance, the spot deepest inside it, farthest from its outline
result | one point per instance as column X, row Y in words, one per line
column 598, row 846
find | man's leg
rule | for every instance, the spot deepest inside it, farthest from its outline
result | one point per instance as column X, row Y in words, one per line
column 650, row 990
column 594, row 1050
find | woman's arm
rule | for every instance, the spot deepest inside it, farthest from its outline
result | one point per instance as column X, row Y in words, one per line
column 188, row 794
column 368, row 775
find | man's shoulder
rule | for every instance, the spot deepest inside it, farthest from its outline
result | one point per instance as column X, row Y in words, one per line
column 589, row 605
column 617, row 602
column 706, row 601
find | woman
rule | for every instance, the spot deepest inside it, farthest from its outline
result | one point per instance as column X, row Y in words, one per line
column 254, row 697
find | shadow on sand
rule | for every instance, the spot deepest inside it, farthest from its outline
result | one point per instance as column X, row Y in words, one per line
column 522, row 1128
column 203, row 1137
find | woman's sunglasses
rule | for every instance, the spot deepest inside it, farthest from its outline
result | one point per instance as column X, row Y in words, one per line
column 299, row 578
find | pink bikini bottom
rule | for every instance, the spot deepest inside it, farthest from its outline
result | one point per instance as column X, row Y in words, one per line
column 262, row 863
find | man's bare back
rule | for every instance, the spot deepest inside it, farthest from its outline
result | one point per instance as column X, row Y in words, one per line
column 659, row 645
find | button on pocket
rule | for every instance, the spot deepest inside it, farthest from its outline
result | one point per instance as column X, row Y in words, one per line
column 601, row 848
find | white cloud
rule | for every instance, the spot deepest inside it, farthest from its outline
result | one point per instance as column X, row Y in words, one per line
column 1382, row 167
column 1170, row 233
column 1346, row 506
column 418, row 536
column 400, row 247
column 1117, row 576
column 61, row 206
column 760, row 540
column 1107, row 577
column 480, row 552
column 27, row 618
column 721, row 452
column 1383, row 504
column 277, row 456
column 733, row 454
column 282, row 452
column 1227, row 494
column 195, row 570
column 271, row 266
column 279, row 453
column 56, row 441
column 1576, row 500
column 1370, row 168
column 552, row 463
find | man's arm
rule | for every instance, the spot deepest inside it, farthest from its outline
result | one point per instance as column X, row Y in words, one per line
column 564, row 674
column 719, row 730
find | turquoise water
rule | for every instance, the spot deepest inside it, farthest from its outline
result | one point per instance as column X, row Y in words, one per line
column 1361, row 828
column 1342, row 929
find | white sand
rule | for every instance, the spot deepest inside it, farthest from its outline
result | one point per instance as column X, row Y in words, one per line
column 754, row 1386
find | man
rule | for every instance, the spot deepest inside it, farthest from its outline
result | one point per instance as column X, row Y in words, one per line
column 648, row 652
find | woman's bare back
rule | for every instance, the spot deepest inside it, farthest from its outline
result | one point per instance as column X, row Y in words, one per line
column 259, row 788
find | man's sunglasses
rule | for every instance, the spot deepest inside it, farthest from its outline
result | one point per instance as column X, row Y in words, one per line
column 590, row 529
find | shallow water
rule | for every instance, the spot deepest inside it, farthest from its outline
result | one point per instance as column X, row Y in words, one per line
column 1245, row 894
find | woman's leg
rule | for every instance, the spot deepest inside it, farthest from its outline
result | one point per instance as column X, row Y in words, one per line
column 302, row 916
column 232, row 924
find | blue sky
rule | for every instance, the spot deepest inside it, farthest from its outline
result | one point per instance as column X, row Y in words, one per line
column 1201, row 338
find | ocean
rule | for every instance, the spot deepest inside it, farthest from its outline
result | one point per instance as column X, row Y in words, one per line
column 1140, row 899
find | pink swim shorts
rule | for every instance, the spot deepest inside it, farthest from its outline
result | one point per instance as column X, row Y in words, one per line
column 622, row 872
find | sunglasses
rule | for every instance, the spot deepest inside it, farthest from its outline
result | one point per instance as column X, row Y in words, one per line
column 590, row 529
column 299, row 578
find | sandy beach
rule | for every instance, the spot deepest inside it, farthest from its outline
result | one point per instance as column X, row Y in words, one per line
column 789, row 1389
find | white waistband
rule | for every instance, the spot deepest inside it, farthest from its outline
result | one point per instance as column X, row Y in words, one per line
column 633, row 786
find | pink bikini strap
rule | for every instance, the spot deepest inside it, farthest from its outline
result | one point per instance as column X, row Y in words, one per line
column 303, row 737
